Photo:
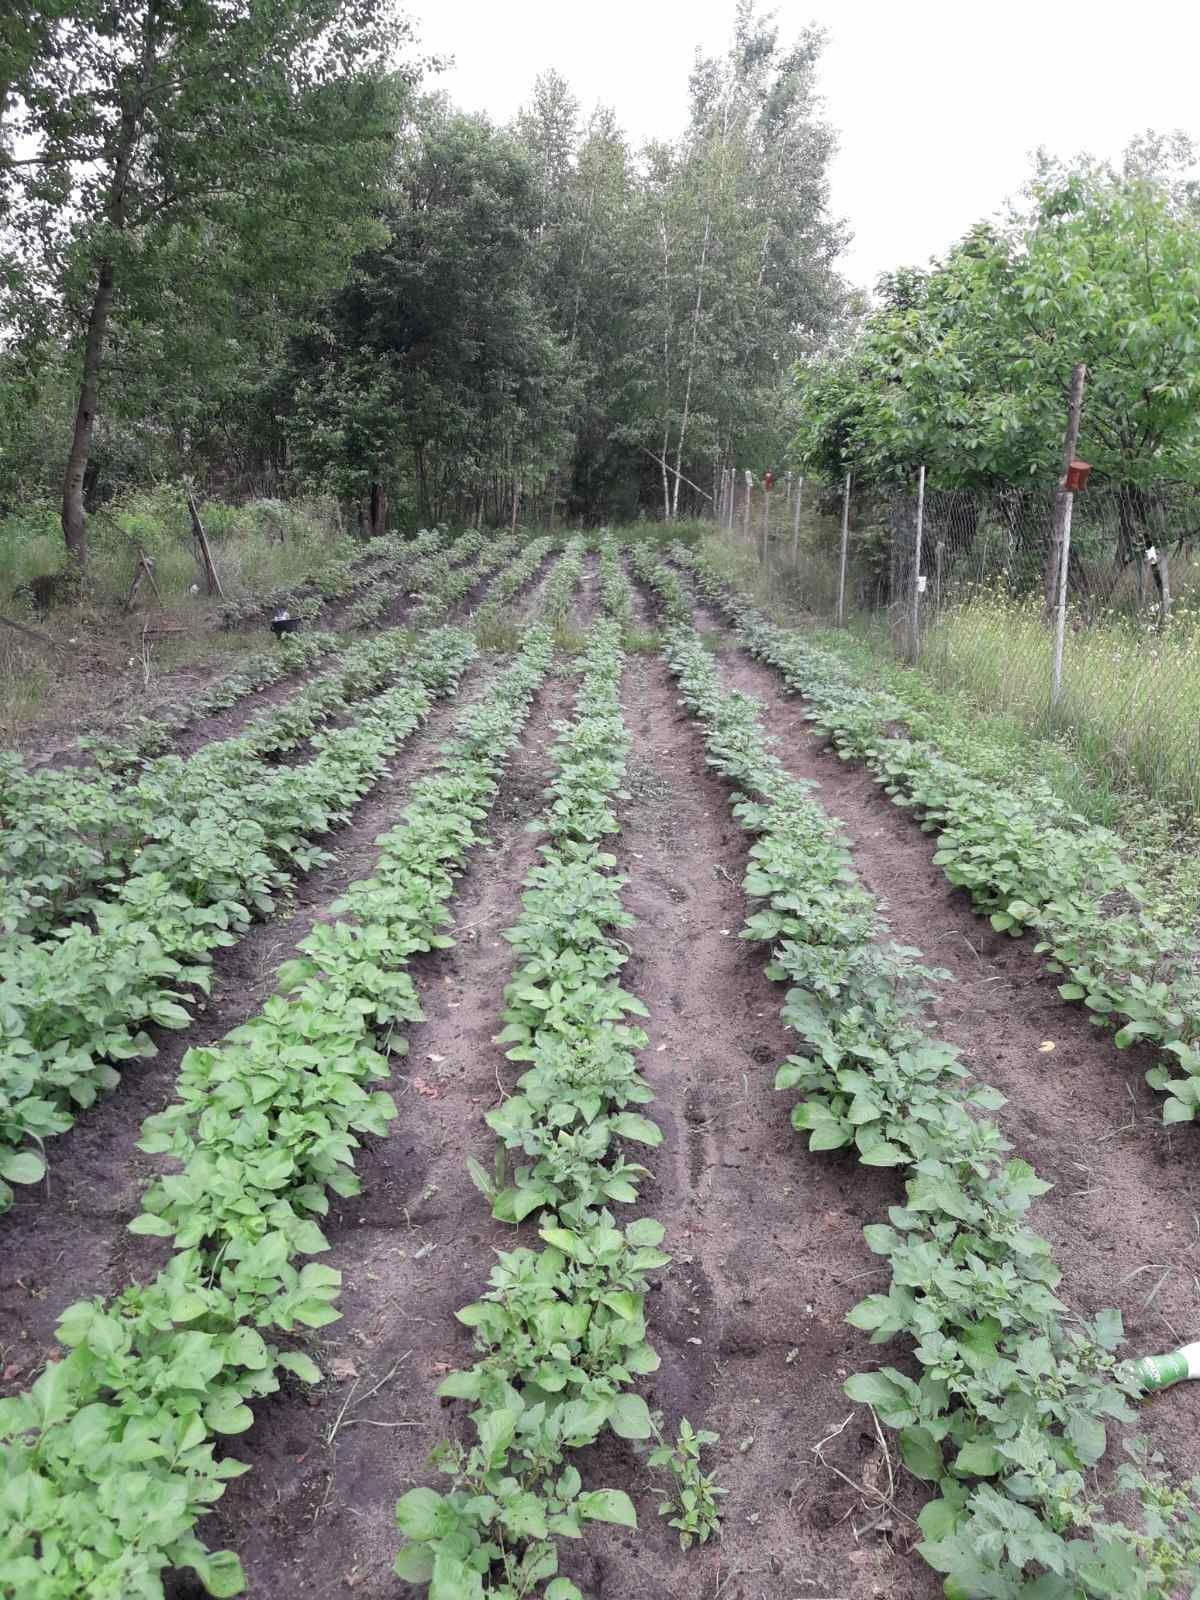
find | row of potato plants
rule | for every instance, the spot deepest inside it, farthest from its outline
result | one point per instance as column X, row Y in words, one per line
column 292, row 653
column 616, row 591
column 560, row 1334
column 110, row 1459
column 446, row 583
column 1009, row 1409
column 559, row 593
column 76, row 1006
column 1027, row 861
column 144, row 737
column 70, row 838
column 670, row 598
column 337, row 579
column 70, row 847
column 73, row 837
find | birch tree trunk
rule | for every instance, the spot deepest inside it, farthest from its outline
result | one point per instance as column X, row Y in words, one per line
column 687, row 390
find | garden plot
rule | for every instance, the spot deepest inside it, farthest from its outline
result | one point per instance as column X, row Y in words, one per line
column 652, row 1005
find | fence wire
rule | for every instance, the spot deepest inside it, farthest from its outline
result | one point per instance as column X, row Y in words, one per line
column 983, row 600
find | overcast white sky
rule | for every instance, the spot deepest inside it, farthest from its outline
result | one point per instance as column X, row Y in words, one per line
column 938, row 104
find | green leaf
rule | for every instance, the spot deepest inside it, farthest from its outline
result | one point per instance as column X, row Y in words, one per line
column 414, row 1564
column 228, row 1415
column 304, row 1367
column 629, row 1417
column 607, row 1505
column 419, row 1514
column 148, row 1223
column 938, row 1519
column 630, row 1126
column 922, row 1455
column 220, row 1573
column 978, row 1459
column 21, row 1166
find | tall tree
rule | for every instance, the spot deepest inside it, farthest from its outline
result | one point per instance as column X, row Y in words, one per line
column 437, row 363
column 171, row 139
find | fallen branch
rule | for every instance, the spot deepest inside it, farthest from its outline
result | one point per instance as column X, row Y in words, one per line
column 32, row 633
column 667, row 467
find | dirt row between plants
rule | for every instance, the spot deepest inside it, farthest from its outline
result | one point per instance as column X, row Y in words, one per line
column 227, row 723
column 1123, row 1217
column 65, row 1239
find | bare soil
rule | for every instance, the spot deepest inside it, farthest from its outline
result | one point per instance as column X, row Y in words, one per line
column 749, row 1319
column 766, row 1237
column 1123, row 1218
column 66, row 1238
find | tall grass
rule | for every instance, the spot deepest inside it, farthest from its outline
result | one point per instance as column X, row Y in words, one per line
column 1130, row 703
column 255, row 546
column 93, row 655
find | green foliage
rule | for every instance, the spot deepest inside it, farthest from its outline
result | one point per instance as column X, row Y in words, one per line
column 109, row 1458
column 694, row 1494
column 1027, row 860
column 965, row 367
column 201, row 848
column 560, row 1333
column 1011, row 1403
column 437, row 361
column 189, row 162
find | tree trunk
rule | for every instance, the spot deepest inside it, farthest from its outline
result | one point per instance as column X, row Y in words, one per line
column 74, row 524
column 687, row 393
column 379, row 510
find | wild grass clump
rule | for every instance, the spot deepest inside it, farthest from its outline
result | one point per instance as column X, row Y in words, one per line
column 1130, row 703
column 255, row 546
column 642, row 641
column 497, row 632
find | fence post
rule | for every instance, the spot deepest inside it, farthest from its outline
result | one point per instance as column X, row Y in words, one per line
column 841, row 609
column 1061, row 539
column 746, row 507
column 766, row 521
column 731, row 499
column 915, row 597
column 1060, row 618
column 937, row 596
column 1053, row 562
column 796, row 523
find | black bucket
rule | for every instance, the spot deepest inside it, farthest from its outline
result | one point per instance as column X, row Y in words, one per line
column 282, row 625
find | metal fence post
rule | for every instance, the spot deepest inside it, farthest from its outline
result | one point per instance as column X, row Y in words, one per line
column 841, row 605
column 1061, row 535
column 1060, row 618
column 796, row 522
column 917, row 581
column 746, row 508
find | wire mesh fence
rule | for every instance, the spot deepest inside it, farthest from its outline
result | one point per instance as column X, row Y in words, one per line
column 969, row 584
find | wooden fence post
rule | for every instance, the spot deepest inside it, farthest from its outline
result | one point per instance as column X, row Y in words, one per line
column 211, row 579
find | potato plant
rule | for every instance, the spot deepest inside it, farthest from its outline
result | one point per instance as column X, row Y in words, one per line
column 1012, row 1403
column 226, row 837
column 108, row 1460
column 560, row 1333
column 1026, row 860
